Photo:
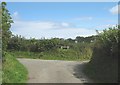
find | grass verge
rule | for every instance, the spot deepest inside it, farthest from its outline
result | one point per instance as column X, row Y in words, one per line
column 13, row 71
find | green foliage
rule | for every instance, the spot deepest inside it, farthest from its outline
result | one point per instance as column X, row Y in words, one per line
column 84, row 50
column 58, row 54
column 50, row 48
column 19, row 43
column 86, row 39
column 13, row 71
column 106, row 45
column 103, row 66
column 6, row 24
column 32, row 45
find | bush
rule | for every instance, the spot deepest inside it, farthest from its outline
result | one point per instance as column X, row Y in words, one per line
column 106, row 45
column 104, row 61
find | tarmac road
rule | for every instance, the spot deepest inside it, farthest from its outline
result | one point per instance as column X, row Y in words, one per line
column 54, row 71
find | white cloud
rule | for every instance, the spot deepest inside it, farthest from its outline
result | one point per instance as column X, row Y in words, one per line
column 15, row 15
column 107, row 26
column 103, row 27
column 64, row 24
column 32, row 26
column 84, row 18
column 115, row 9
column 38, row 29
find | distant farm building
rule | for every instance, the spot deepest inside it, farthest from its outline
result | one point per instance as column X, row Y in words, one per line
column 65, row 47
column 76, row 41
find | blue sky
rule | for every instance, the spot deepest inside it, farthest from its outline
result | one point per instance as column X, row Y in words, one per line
column 60, row 19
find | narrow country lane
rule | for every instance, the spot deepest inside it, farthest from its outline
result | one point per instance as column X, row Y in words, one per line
column 54, row 71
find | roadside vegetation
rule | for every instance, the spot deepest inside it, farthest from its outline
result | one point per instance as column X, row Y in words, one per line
column 51, row 48
column 12, row 70
column 103, row 66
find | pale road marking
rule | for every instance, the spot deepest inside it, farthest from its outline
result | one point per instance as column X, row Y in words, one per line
column 54, row 71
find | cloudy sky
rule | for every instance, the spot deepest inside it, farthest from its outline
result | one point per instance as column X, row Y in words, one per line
column 63, row 20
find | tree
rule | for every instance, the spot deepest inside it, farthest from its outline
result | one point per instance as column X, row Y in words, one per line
column 6, row 24
column 80, row 39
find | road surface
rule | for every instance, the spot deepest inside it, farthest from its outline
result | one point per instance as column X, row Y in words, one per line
column 54, row 71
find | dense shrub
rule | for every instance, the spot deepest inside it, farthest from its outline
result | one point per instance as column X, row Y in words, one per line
column 106, row 45
column 104, row 61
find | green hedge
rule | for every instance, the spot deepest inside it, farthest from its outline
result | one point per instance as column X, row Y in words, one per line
column 103, row 66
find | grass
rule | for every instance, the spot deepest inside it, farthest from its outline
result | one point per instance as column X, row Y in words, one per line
column 0, row 76
column 13, row 71
column 59, row 54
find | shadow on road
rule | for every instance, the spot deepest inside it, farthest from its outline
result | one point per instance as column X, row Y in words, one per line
column 78, row 73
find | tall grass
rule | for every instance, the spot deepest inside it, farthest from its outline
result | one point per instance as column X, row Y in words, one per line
column 58, row 54
column 13, row 71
